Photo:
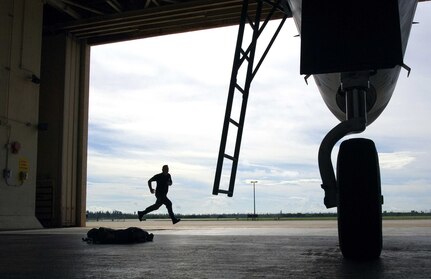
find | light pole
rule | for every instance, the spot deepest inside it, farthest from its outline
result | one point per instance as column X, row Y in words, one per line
column 254, row 196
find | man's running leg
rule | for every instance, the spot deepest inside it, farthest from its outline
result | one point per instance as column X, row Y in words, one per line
column 149, row 209
column 168, row 205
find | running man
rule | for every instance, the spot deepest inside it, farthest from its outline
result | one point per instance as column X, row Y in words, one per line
column 163, row 180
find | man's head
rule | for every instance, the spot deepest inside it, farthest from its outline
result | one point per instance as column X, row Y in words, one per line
column 165, row 169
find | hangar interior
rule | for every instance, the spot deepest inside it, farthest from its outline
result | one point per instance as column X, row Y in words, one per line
column 44, row 89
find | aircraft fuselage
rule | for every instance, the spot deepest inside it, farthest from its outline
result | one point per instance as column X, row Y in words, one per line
column 382, row 81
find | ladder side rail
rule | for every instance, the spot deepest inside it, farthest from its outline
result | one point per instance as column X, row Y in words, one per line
column 232, row 86
column 245, row 97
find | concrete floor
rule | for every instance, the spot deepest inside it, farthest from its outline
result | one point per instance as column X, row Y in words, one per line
column 193, row 249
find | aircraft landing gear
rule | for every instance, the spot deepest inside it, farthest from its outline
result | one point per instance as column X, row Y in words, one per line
column 356, row 192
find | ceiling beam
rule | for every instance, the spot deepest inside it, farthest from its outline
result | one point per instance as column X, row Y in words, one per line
column 166, row 19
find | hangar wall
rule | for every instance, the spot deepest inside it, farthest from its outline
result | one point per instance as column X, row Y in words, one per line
column 20, row 47
column 43, row 121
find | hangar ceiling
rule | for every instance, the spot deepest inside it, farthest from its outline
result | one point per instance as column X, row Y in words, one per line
column 107, row 21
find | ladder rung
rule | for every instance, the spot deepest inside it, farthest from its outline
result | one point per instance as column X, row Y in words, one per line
column 239, row 88
column 244, row 55
column 234, row 122
column 229, row 157
column 223, row 192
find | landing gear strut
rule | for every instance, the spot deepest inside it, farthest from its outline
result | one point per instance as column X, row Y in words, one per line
column 356, row 192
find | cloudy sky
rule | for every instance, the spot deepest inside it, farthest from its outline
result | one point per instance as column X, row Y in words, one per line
column 162, row 101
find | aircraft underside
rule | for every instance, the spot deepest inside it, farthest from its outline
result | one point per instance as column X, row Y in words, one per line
column 354, row 50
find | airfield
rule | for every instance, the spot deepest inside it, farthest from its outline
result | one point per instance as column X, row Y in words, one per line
column 215, row 249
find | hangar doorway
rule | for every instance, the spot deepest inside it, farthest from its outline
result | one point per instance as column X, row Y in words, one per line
column 152, row 102
column 70, row 29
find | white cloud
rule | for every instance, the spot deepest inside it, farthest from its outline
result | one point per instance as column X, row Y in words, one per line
column 395, row 161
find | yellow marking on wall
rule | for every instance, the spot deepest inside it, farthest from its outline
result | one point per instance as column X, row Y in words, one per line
column 23, row 165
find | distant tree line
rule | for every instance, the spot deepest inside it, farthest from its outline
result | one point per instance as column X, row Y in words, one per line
column 107, row 215
column 118, row 215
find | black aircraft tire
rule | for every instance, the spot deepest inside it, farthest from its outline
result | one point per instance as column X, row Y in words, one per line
column 359, row 200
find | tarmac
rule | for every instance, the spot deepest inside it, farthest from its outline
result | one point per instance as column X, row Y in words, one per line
column 215, row 249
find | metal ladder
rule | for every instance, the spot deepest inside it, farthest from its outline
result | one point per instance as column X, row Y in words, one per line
column 245, row 58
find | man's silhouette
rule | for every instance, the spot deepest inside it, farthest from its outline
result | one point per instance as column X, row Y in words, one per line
column 163, row 180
